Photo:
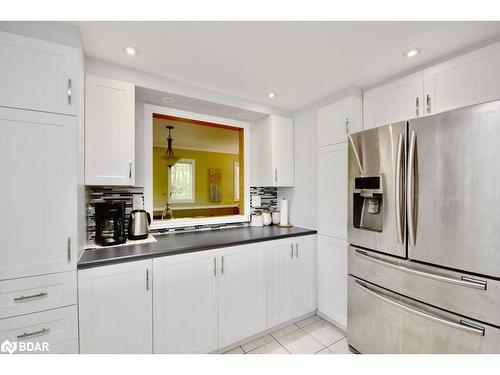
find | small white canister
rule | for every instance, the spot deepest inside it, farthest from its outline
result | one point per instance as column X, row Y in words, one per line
column 276, row 217
column 266, row 218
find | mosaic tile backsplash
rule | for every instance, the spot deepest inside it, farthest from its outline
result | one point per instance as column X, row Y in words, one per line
column 95, row 194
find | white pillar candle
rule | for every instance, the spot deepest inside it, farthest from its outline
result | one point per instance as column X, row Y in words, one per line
column 284, row 212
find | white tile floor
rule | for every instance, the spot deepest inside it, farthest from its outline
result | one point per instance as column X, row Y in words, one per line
column 312, row 335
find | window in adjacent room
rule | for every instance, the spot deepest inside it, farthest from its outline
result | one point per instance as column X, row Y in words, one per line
column 182, row 181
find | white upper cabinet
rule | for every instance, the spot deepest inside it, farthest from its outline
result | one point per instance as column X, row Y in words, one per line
column 334, row 118
column 38, row 184
column 398, row 100
column 185, row 303
column 242, row 292
column 38, row 75
column 470, row 79
column 272, row 152
column 109, row 132
column 115, row 304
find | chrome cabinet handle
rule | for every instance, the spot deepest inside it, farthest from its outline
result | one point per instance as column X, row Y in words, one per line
column 69, row 91
column 147, row 279
column 43, row 331
column 69, row 249
column 296, row 250
column 410, row 189
column 275, row 174
column 463, row 281
column 462, row 325
column 398, row 195
column 347, row 131
column 24, row 298
column 417, row 106
column 291, row 251
column 130, row 169
column 428, row 102
column 222, row 265
column 215, row 266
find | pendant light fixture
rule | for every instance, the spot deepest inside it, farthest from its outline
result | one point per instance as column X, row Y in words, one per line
column 169, row 156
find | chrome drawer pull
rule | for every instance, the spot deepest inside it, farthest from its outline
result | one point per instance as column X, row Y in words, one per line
column 464, row 281
column 291, row 250
column 462, row 325
column 24, row 298
column 43, row 331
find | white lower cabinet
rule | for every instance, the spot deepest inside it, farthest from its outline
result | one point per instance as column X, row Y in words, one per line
column 115, row 304
column 185, row 303
column 332, row 279
column 197, row 302
column 291, row 279
column 242, row 292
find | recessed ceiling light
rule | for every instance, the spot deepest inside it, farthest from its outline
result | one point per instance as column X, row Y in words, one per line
column 412, row 53
column 271, row 95
column 168, row 100
column 241, row 115
column 131, row 51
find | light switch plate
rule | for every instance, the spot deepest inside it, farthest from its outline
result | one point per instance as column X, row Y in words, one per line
column 137, row 202
column 256, row 201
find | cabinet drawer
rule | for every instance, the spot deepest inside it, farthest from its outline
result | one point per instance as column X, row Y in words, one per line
column 54, row 327
column 380, row 321
column 473, row 296
column 39, row 293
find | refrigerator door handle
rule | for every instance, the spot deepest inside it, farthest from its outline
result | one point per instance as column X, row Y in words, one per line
column 398, row 190
column 464, row 281
column 462, row 325
column 410, row 188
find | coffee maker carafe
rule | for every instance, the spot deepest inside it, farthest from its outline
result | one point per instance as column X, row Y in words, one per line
column 110, row 223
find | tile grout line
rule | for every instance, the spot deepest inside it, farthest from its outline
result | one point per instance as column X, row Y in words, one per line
column 259, row 345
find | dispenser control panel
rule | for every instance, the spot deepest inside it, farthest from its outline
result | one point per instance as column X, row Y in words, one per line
column 368, row 185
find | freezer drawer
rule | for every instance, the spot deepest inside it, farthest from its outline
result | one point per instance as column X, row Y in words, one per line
column 469, row 295
column 380, row 321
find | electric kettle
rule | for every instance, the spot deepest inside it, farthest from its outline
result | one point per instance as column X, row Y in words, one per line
column 138, row 225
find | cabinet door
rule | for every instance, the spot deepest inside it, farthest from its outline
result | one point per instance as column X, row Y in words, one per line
column 109, row 132
column 469, row 79
column 38, row 75
column 282, row 151
column 393, row 102
column 185, row 303
column 332, row 120
column 304, row 276
column 38, row 184
column 242, row 293
column 280, row 255
column 115, row 305
column 332, row 279
column 332, row 190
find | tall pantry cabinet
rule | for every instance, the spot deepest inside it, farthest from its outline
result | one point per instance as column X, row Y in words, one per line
column 39, row 86
column 333, row 122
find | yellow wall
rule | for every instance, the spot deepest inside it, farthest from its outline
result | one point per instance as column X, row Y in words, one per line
column 203, row 162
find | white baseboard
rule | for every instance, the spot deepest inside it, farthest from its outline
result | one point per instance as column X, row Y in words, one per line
column 335, row 319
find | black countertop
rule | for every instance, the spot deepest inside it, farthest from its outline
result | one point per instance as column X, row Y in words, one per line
column 180, row 243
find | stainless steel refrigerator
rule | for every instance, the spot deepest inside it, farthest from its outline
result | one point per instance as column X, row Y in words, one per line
column 424, row 234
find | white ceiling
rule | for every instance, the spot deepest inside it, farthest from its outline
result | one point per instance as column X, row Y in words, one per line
column 300, row 61
column 196, row 137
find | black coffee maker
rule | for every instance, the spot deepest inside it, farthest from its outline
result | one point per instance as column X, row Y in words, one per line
column 110, row 223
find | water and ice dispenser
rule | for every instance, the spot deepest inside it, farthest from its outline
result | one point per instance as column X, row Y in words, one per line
column 368, row 203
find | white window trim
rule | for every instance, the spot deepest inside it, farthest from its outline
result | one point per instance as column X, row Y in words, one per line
column 236, row 187
column 149, row 110
column 193, row 180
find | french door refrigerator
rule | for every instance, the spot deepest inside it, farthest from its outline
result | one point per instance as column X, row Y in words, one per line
column 424, row 234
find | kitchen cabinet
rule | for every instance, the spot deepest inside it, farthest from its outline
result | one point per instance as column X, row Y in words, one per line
column 38, row 75
column 332, row 279
column 185, row 303
column 115, row 305
column 334, row 118
column 395, row 101
column 242, row 292
column 38, row 184
column 291, row 279
column 109, row 132
column 466, row 80
column 272, row 152
column 332, row 190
